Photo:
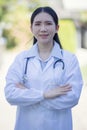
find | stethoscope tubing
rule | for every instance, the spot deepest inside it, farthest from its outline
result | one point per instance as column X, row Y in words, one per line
column 26, row 65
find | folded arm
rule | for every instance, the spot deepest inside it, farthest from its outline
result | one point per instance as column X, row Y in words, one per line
column 15, row 92
column 70, row 94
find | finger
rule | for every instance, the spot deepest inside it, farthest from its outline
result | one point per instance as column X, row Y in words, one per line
column 67, row 89
column 20, row 85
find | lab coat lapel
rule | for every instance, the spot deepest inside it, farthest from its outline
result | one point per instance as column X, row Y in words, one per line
column 36, row 62
column 50, row 62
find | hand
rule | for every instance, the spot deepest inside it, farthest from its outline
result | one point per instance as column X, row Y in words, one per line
column 57, row 91
column 20, row 85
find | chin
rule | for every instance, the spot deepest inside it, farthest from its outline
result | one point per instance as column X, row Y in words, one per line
column 45, row 41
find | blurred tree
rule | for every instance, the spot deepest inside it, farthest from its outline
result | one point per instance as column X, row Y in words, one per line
column 12, row 14
column 11, row 40
column 6, row 2
column 67, row 34
column 4, row 6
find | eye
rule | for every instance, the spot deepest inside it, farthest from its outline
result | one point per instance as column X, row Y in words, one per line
column 37, row 24
column 49, row 23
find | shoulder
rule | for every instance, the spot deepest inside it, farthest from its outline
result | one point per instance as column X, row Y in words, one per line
column 32, row 52
column 68, row 55
column 25, row 54
column 69, row 58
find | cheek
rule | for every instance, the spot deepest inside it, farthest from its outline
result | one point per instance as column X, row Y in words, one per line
column 34, row 31
column 53, row 29
column 52, row 32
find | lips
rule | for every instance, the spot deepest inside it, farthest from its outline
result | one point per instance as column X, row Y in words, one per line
column 43, row 35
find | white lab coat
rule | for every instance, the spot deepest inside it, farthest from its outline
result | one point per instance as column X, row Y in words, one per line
column 33, row 111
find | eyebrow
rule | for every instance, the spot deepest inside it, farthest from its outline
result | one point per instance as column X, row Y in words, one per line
column 45, row 21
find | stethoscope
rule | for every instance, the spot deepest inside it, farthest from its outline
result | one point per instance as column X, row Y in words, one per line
column 25, row 78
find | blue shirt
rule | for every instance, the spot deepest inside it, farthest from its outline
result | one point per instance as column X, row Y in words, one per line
column 33, row 111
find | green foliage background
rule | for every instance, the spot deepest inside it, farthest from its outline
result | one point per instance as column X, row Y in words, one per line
column 67, row 33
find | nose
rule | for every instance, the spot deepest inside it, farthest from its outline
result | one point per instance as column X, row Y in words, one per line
column 43, row 28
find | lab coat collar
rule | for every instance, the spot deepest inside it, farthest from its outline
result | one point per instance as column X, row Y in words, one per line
column 56, row 51
column 32, row 52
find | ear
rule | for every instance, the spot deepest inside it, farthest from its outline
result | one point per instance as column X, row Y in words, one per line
column 57, row 28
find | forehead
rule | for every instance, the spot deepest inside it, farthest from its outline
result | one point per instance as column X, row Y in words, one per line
column 43, row 17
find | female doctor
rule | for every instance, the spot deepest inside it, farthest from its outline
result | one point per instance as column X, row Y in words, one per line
column 44, row 82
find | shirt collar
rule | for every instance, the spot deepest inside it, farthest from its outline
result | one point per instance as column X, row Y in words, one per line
column 56, row 51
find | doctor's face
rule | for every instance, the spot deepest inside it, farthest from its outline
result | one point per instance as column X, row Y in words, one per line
column 44, row 28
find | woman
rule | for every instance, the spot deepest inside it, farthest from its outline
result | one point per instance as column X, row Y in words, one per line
column 44, row 82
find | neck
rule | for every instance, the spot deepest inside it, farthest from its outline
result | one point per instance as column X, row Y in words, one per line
column 45, row 50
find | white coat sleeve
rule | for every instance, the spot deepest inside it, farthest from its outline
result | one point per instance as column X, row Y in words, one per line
column 74, row 78
column 17, row 96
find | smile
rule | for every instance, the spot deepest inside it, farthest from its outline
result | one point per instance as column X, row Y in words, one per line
column 44, row 35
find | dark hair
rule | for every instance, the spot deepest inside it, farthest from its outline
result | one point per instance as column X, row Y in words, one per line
column 51, row 12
